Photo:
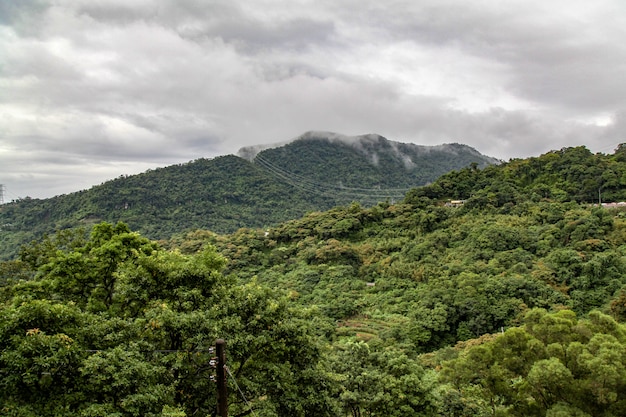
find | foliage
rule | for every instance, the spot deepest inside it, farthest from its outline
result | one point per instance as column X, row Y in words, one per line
column 556, row 364
column 428, row 277
column 409, row 279
column 118, row 326
column 383, row 383
column 569, row 174
column 227, row 193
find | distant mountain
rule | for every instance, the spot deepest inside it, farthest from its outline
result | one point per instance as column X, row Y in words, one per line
column 363, row 168
column 263, row 186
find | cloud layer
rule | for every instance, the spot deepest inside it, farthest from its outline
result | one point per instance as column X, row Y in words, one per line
column 90, row 89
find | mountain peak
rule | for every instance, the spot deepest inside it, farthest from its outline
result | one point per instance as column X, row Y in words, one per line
column 373, row 147
column 332, row 136
column 250, row 152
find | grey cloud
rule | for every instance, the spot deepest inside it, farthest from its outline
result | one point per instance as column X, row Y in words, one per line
column 615, row 132
column 32, row 59
column 553, row 55
column 21, row 14
column 299, row 34
column 234, row 23
column 115, row 86
column 118, row 12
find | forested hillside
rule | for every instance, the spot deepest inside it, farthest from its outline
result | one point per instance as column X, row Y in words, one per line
column 229, row 192
column 222, row 194
column 509, row 304
column 366, row 169
column 569, row 174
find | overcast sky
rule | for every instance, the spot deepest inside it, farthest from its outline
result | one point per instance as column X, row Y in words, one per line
column 94, row 89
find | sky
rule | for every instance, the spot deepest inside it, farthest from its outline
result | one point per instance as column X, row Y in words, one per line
column 94, row 89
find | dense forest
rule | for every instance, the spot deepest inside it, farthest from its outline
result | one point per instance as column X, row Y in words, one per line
column 509, row 303
column 367, row 169
column 229, row 192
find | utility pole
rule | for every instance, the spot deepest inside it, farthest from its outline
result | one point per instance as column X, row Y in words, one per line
column 222, row 394
column 1, row 193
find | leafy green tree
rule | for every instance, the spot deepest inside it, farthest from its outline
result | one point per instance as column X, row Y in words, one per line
column 553, row 365
column 122, row 381
column 120, row 327
column 40, row 358
column 383, row 383
column 87, row 274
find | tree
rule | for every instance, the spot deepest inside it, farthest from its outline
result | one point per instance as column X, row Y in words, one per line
column 555, row 364
column 120, row 327
column 383, row 383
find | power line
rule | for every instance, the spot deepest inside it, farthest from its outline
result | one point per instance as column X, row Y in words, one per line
column 303, row 179
column 327, row 189
column 240, row 391
column 608, row 147
column 4, row 192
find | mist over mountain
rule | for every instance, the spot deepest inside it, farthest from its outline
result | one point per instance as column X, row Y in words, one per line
column 373, row 148
column 366, row 168
column 265, row 185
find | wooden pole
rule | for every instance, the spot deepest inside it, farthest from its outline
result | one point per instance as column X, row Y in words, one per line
column 222, row 394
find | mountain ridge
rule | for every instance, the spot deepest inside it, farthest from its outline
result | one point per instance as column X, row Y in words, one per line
column 228, row 192
column 370, row 167
column 359, row 142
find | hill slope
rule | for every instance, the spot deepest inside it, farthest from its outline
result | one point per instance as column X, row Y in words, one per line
column 229, row 192
column 569, row 174
column 367, row 168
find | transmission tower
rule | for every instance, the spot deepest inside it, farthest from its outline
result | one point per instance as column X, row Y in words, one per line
column 1, row 193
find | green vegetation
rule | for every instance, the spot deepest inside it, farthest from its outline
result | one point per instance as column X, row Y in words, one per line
column 369, row 170
column 222, row 194
column 570, row 174
column 553, row 365
column 227, row 193
column 511, row 304
column 113, row 325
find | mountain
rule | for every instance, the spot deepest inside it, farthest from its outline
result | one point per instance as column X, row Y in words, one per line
column 314, row 172
column 361, row 168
